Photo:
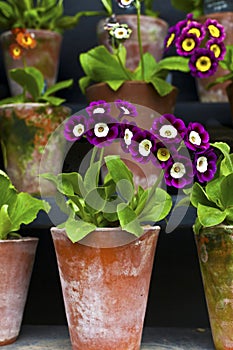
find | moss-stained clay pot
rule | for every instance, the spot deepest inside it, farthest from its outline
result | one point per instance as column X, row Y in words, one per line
column 215, row 251
column 16, row 264
column 105, row 282
column 24, row 131
column 45, row 56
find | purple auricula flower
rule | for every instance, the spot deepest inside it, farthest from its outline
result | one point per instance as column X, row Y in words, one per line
column 195, row 28
column 179, row 172
column 100, row 107
column 126, row 109
column 125, row 3
column 218, row 48
column 142, row 146
column 187, row 43
column 197, row 137
column 203, row 63
column 163, row 154
column 102, row 130
column 215, row 29
column 205, row 165
column 171, row 37
column 127, row 131
column 75, row 127
column 183, row 23
column 169, row 129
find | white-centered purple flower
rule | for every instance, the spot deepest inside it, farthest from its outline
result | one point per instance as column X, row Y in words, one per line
column 75, row 127
column 179, row 172
column 98, row 107
column 142, row 146
column 169, row 129
column 126, row 109
column 197, row 137
column 205, row 165
column 102, row 130
column 127, row 131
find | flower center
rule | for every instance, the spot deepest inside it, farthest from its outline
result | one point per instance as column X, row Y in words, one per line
column 203, row 63
column 216, row 50
column 78, row 130
column 144, row 147
column 99, row 110
column 121, row 33
column 128, row 137
column 188, row 44
column 202, row 164
column 178, row 170
column 163, row 154
column 168, row 131
column 170, row 39
column 101, row 130
column 195, row 31
column 214, row 31
column 194, row 138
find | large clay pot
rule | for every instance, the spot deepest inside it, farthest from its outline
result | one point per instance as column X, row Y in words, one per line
column 105, row 281
column 45, row 56
column 153, row 33
column 215, row 251
column 16, row 263
column 216, row 93
column 24, row 131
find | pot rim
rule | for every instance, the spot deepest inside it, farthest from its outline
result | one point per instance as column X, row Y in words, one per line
column 19, row 240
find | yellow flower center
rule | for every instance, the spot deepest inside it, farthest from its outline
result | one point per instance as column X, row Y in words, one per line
column 203, row 63
column 214, row 31
column 170, row 39
column 163, row 154
column 195, row 31
column 216, row 50
column 188, row 44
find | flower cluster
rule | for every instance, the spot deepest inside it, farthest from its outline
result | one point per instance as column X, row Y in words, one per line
column 203, row 43
column 183, row 153
column 24, row 40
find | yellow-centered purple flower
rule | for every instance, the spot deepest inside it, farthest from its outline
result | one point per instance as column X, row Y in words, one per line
column 203, row 63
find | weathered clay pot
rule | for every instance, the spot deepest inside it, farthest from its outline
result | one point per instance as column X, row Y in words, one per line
column 24, row 131
column 153, row 33
column 105, row 281
column 216, row 93
column 215, row 251
column 16, row 263
column 137, row 92
column 45, row 56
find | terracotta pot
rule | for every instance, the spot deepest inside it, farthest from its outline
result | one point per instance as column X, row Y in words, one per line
column 24, row 132
column 137, row 92
column 153, row 33
column 45, row 56
column 215, row 251
column 16, row 263
column 105, row 281
column 216, row 93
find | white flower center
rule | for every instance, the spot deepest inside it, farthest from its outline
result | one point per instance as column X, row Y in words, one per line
column 194, row 138
column 121, row 33
column 202, row 164
column 99, row 110
column 128, row 136
column 101, row 129
column 126, row 2
column 178, row 170
column 168, row 131
column 78, row 130
column 144, row 147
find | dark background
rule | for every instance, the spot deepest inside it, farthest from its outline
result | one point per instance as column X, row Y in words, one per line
column 176, row 295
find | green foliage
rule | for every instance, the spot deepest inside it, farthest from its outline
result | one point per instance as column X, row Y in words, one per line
column 214, row 202
column 116, row 202
column 227, row 64
column 16, row 208
column 189, row 6
column 38, row 14
column 32, row 82
column 100, row 65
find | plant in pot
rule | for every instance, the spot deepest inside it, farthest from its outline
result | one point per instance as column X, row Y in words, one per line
column 27, row 120
column 105, row 247
column 151, row 28
column 224, row 16
column 17, row 255
column 38, row 22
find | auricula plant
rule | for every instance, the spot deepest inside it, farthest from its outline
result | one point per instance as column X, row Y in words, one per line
column 183, row 154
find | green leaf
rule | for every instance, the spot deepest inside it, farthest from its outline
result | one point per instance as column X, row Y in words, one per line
column 6, row 224
column 226, row 164
column 128, row 220
column 224, row 193
column 108, row 6
column 78, row 229
column 209, row 216
column 198, row 195
column 94, row 200
column 161, row 86
column 91, row 177
column 58, row 86
column 119, row 171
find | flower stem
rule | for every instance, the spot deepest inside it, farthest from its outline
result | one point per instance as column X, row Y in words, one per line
column 138, row 9
column 121, row 63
